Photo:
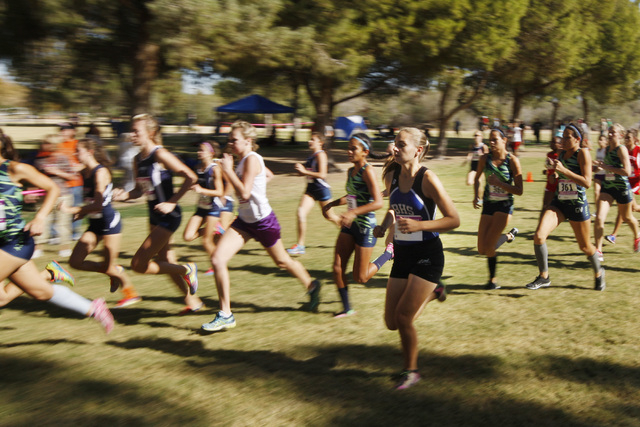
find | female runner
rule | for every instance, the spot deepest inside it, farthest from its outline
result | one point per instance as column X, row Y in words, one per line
column 573, row 167
column 154, row 166
column 315, row 169
column 210, row 189
column 363, row 198
column 503, row 180
column 414, row 194
column 477, row 150
column 104, row 222
column 256, row 220
column 17, row 245
column 615, row 186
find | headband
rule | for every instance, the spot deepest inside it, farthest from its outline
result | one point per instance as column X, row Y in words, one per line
column 364, row 143
column 501, row 133
column 576, row 131
column 209, row 146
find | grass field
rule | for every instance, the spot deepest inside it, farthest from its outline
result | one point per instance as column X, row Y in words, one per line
column 565, row 355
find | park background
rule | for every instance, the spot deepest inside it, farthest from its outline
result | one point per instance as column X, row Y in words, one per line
column 565, row 355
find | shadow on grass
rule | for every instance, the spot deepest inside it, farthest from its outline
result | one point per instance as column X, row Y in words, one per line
column 619, row 378
column 39, row 392
column 353, row 378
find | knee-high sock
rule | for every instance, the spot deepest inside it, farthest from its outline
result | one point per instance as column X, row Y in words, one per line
column 66, row 298
column 344, row 296
column 493, row 260
column 501, row 240
column 595, row 262
column 382, row 259
column 542, row 256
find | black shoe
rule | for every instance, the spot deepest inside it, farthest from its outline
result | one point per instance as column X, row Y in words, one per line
column 600, row 283
column 441, row 291
column 490, row 286
column 539, row 282
column 514, row 233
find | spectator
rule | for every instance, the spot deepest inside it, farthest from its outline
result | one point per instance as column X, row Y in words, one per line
column 68, row 148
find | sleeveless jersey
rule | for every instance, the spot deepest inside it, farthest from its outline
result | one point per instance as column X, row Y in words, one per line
column 613, row 180
column 477, row 152
column 568, row 191
column 493, row 193
column 412, row 204
column 358, row 195
column 11, row 222
column 312, row 165
column 634, row 158
column 257, row 206
column 205, row 180
column 89, row 193
column 156, row 181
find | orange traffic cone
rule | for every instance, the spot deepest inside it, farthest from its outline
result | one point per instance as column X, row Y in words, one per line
column 529, row 177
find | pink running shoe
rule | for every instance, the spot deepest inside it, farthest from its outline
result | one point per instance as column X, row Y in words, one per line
column 636, row 245
column 389, row 249
column 101, row 313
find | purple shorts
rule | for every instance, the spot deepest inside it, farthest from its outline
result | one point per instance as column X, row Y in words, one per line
column 266, row 231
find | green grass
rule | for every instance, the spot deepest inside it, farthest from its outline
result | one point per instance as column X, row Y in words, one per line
column 565, row 355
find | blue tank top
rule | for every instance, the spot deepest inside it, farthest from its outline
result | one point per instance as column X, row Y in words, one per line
column 11, row 222
column 312, row 165
column 205, row 180
column 154, row 179
column 90, row 190
column 412, row 204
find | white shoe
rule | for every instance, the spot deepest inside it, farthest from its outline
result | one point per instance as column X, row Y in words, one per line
column 65, row 253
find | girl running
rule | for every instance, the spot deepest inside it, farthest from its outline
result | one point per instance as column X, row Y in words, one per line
column 631, row 142
column 104, row 222
column 356, row 235
column 616, row 187
column 477, row 150
column 210, row 189
column 256, row 220
column 552, row 179
column 17, row 245
column 573, row 167
column 415, row 193
column 154, row 167
column 503, row 180
column 598, row 176
column 315, row 169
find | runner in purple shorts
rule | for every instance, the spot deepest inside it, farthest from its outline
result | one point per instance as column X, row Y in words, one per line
column 255, row 220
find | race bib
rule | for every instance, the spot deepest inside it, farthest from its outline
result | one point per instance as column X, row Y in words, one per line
column 567, row 190
column 94, row 215
column 497, row 194
column 3, row 217
column 415, row 236
column 147, row 187
column 352, row 202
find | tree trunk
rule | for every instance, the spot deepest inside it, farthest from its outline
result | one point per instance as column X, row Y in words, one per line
column 585, row 109
column 554, row 117
column 442, row 122
column 145, row 62
column 517, row 105
column 323, row 103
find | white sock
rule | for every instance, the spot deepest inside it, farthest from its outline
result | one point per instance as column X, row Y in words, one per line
column 225, row 315
column 66, row 298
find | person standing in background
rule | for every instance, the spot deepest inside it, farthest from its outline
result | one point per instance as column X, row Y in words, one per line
column 68, row 148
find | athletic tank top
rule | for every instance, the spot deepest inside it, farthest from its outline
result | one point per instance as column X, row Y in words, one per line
column 476, row 152
column 358, row 192
column 89, row 193
column 414, row 205
column 205, row 180
column 312, row 165
column 257, row 206
column 568, row 191
column 11, row 222
column 493, row 193
column 155, row 180
column 613, row 180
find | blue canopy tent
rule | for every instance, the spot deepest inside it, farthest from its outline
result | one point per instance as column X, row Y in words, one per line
column 347, row 126
column 255, row 104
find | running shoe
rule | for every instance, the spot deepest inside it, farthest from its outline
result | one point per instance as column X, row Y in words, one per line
column 190, row 310
column 636, row 245
column 209, row 272
column 191, row 277
column 441, row 291
column 407, row 379
column 65, row 253
column 130, row 297
column 611, row 239
column 513, row 232
column 59, row 274
column 600, row 255
column 389, row 249
column 600, row 283
column 296, row 250
column 220, row 323
column 219, row 229
column 491, row 286
column 101, row 313
column 314, row 295
column 344, row 313
column 114, row 281
column 539, row 282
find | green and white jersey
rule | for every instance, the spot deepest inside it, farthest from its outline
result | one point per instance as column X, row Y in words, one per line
column 11, row 222
column 493, row 193
column 568, row 191
column 613, row 180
